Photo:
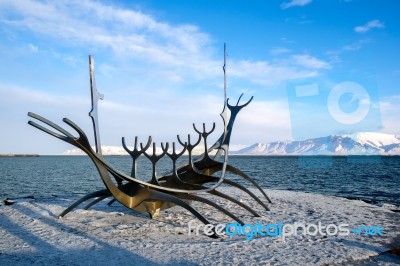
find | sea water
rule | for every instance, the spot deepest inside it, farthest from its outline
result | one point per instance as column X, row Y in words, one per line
column 376, row 181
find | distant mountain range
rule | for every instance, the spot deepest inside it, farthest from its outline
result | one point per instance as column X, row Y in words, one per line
column 364, row 143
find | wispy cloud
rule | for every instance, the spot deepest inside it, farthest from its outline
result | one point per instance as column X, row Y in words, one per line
column 287, row 40
column 309, row 61
column 279, row 50
column 369, row 25
column 355, row 45
column 33, row 48
column 125, row 32
column 266, row 73
column 335, row 55
column 294, row 3
column 15, row 94
column 302, row 20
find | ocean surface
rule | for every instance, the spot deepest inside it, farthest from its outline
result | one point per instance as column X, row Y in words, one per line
column 373, row 179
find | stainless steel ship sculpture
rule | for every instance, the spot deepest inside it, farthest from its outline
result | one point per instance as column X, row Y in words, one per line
column 191, row 181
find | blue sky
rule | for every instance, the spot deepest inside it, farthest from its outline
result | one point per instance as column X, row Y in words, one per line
column 159, row 64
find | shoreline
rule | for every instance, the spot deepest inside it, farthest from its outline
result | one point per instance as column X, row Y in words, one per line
column 31, row 231
column 19, row 155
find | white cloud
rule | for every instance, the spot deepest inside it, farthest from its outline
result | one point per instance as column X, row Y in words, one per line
column 355, row 45
column 335, row 55
column 15, row 95
column 309, row 61
column 125, row 32
column 302, row 20
column 33, row 48
column 369, row 25
column 287, row 40
column 265, row 73
column 106, row 69
column 294, row 3
column 279, row 50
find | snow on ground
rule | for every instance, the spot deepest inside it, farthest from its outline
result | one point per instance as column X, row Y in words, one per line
column 31, row 233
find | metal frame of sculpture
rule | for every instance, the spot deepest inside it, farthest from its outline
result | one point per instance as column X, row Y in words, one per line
column 183, row 184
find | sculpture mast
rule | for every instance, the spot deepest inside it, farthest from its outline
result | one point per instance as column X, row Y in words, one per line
column 224, row 68
column 95, row 96
column 224, row 113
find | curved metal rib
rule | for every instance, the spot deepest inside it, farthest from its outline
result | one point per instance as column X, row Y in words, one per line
column 96, row 194
column 95, row 202
column 111, row 202
column 208, row 179
column 179, row 183
column 213, row 204
column 229, row 168
column 248, row 178
column 244, row 206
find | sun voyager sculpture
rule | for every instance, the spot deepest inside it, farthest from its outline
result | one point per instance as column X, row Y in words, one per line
column 190, row 182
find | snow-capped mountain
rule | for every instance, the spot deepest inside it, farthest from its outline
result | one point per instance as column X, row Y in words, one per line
column 106, row 150
column 364, row 143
